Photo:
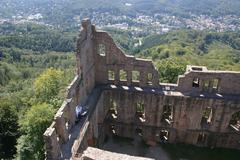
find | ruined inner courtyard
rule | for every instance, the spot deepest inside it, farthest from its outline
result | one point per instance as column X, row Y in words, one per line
column 166, row 151
column 125, row 99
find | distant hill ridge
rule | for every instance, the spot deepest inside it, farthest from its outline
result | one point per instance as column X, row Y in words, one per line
column 214, row 7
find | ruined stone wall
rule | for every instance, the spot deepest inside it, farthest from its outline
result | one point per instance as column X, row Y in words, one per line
column 85, row 59
column 58, row 136
column 186, row 122
column 226, row 82
column 110, row 58
column 58, row 133
column 106, row 78
column 114, row 60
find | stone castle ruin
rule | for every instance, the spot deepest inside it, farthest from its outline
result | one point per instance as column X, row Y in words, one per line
column 124, row 97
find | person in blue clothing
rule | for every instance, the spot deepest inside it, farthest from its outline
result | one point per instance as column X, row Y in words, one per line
column 78, row 110
column 81, row 111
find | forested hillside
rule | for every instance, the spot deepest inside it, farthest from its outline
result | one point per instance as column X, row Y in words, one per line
column 218, row 51
column 36, row 65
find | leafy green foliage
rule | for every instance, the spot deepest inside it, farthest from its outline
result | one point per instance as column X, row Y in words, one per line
column 8, row 129
column 32, row 125
column 7, row 72
column 124, row 39
column 31, row 85
column 47, row 85
column 140, row 107
column 169, row 70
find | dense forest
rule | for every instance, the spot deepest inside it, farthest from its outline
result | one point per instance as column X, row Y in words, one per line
column 37, row 63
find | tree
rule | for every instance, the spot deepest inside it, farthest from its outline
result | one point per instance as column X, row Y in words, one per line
column 7, row 73
column 169, row 70
column 8, row 129
column 32, row 125
column 47, row 85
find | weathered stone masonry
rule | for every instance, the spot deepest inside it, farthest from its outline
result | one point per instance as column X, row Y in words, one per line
column 125, row 98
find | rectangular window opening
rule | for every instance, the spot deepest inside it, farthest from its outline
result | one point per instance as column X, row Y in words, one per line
column 111, row 75
column 206, row 117
column 167, row 115
column 196, row 82
column 140, row 111
column 206, row 85
column 197, row 69
column 123, row 75
column 113, row 108
column 167, row 88
column 139, row 132
column 164, row 136
column 215, row 84
column 101, row 49
column 149, row 78
column 202, row 137
column 112, row 129
column 234, row 123
column 67, row 125
column 135, row 76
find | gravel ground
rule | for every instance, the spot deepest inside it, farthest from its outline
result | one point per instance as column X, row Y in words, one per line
column 135, row 148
